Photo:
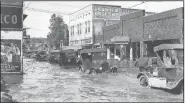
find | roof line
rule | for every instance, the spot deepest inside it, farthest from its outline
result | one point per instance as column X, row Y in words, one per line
column 80, row 9
column 94, row 4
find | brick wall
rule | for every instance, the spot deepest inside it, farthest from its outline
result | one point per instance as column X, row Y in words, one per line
column 111, row 31
column 132, row 25
column 165, row 25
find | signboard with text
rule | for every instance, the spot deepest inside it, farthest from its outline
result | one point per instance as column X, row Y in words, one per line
column 11, row 17
column 11, row 51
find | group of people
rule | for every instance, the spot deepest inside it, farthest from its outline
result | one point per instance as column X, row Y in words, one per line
column 10, row 53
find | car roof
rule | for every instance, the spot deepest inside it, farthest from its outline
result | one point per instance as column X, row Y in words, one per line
column 168, row 46
column 92, row 50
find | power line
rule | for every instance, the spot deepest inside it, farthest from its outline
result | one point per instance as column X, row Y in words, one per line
column 27, row 5
column 36, row 29
column 47, row 11
column 137, row 4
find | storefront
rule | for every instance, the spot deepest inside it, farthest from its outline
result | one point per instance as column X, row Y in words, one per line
column 117, row 47
column 11, row 36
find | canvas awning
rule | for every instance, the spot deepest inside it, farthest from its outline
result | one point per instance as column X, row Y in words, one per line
column 71, row 47
column 93, row 50
column 118, row 40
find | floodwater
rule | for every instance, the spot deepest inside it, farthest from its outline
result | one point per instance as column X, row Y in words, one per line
column 44, row 82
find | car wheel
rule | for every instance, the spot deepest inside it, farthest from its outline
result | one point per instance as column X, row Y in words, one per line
column 143, row 80
column 115, row 70
column 93, row 72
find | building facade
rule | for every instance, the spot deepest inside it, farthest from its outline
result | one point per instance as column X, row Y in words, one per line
column 86, row 25
column 144, row 32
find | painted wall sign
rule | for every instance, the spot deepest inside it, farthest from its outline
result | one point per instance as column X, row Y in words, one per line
column 11, row 17
column 11, row 51
column 12, row 3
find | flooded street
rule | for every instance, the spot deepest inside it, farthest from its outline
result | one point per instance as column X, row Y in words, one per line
column 44, row 82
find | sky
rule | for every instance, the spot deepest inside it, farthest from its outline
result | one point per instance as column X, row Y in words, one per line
column 38, row 22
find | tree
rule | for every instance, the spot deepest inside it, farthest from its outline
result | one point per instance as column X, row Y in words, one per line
column 58, row 31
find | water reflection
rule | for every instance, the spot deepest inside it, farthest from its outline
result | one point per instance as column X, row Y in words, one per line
column 43, row 82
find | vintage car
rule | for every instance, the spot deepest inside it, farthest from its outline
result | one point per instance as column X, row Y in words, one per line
column 68, row 57
column 42, row 56
column 95, row 61
column 166, row 70
column 54, row 56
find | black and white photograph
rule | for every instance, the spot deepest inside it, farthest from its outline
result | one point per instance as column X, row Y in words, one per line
column 92, row 51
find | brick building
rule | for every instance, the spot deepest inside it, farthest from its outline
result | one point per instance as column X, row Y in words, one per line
column 144, row 32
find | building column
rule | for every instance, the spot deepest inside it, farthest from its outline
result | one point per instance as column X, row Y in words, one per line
column 108, row 52
column 131, row 52
column 141, row 49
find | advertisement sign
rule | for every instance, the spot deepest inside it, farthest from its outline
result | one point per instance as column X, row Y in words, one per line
column 11, row 51
column 12, row 3
column 11, row 17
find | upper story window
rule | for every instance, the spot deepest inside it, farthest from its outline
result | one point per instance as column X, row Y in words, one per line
column 80, row 28
column 72, row 30
column 77, row 28
column 99, row 9
column 88, row 26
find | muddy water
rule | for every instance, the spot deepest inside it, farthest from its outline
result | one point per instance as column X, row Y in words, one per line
column 44, row 82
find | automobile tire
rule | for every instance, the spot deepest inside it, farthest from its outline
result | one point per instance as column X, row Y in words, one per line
column 115, row 70
column 93, row 72
column 143, row 80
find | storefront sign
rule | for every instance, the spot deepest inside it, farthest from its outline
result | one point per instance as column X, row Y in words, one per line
column 11, row 51
column 11, row 17
column 88, row 41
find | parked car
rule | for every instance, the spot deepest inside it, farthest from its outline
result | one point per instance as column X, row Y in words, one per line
column 94, row 61
column 166, row 70
column 42, row 56
column 54, row 56
column 68, row 57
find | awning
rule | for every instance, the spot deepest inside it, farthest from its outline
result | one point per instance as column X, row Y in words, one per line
column 93, row 50
column 71, row 47
column 118, row 40
column 68, row 51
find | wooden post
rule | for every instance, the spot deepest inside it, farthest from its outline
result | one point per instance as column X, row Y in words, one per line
column 141, row 48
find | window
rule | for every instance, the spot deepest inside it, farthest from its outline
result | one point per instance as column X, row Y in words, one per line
column 99, row 9
column 103, row 9
column 71, row 30
column 80, row 28
column 88, row 26
column 116, row 9
column 107, row 9
column 77, row 28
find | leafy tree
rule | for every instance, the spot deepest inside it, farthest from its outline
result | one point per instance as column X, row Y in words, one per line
column 58, row 31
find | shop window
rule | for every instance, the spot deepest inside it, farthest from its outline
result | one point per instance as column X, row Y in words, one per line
column 118, row 52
